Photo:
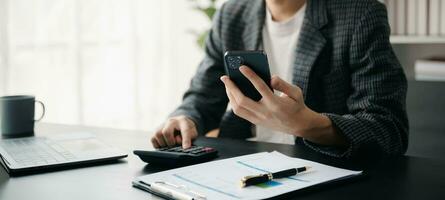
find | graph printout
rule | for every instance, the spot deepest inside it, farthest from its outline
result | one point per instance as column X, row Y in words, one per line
column 221, row 179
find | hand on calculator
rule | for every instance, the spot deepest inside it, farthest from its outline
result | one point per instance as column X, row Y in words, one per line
column 179, row 130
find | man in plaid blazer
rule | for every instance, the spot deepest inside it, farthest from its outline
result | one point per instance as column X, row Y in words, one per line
column 347, row 96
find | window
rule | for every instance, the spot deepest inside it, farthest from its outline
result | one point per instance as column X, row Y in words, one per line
column 112, row 63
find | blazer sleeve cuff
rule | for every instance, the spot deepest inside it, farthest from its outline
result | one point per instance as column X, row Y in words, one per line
column 346, row 128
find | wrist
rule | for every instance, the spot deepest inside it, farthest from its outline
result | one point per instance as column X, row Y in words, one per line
column 312, row 123
column 319, row 129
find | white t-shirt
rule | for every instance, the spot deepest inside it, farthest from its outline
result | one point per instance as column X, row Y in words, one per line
column 279, row 42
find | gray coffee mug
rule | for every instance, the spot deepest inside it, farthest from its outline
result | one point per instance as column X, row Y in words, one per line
column 17, row 115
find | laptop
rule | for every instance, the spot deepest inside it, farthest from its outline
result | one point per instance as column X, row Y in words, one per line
column 29, row 155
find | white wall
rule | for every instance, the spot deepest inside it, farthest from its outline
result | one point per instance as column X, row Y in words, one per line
column 111, row 63
column 3, row 47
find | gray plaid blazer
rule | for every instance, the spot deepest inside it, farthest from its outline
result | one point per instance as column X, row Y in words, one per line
column 344, row 64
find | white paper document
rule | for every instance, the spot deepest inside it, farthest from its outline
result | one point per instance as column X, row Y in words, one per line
column 221, row 179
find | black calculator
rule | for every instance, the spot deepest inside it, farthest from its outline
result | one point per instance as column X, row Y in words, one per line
column 177, row 156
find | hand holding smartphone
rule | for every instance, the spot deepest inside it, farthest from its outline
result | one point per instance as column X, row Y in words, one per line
column 255, row 60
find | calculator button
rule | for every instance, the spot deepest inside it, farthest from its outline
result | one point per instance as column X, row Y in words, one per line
column 208, row 149
column 196, row 151
column 193, row 148
column 175, row 149
column 177, row 156
column 188, row 150
column 193, row 152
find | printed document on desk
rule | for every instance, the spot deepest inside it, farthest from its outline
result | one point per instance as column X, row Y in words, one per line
column 221, row 179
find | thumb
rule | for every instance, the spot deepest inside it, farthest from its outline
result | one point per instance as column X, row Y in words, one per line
column 294, row 92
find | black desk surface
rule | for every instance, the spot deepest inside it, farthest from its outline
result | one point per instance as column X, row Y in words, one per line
column 396, row 178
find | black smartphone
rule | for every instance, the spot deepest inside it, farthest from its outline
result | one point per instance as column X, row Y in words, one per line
column 255, row 60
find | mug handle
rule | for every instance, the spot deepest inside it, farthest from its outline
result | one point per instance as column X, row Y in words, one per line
column 43, row 110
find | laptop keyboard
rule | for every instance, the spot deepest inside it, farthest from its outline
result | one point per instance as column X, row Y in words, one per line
column 36, row 151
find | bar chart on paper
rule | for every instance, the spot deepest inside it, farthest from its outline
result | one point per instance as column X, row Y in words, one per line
column 221, row 179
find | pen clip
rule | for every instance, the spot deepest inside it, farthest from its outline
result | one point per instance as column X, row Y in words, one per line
column 168, row 184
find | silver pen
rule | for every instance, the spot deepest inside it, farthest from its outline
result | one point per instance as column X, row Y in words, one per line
column 175, row 192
